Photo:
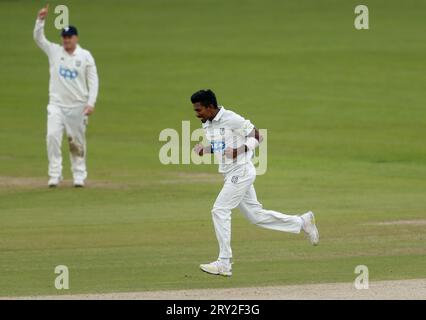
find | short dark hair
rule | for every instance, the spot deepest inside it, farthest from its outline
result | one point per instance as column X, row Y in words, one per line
column 205, row 98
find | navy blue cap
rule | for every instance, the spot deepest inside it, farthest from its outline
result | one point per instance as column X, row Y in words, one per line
column 69, row 31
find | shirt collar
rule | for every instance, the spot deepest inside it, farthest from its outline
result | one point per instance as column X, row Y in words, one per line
column 216, row 118
column 219, row 114
column 76, row 51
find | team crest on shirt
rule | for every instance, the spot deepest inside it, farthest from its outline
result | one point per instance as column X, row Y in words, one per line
column 217, row 146
column 78, row 63
column 222, row 131
column 234, row 179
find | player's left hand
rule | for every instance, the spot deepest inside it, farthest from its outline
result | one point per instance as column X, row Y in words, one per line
column 88, row 110
column 231, row 153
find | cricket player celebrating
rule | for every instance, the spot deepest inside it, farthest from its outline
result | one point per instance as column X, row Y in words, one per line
column 233, row 140
column 73, row 88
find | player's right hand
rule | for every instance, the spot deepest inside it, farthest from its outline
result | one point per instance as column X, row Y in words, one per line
column 199, row 149
column 43, row 12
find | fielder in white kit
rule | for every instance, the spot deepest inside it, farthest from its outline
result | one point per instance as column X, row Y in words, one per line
column 73, row 89
column 233, row 140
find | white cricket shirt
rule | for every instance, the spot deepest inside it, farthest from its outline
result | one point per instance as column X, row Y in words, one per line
column 228, row 130
column 73, row 77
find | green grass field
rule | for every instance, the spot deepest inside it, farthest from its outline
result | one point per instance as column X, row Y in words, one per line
column 346, row 119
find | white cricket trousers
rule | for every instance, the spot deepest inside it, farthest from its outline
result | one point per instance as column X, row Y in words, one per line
column 238, row 191
column 73, row 122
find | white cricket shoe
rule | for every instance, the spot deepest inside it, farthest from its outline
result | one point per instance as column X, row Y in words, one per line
column 218, row 268
column 310, row 228
column 54, row 182
column 78, row 183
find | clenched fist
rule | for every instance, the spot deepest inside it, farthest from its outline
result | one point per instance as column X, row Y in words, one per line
column 199, row 149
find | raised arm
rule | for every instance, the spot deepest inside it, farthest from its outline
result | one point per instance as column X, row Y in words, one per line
column 39, row 36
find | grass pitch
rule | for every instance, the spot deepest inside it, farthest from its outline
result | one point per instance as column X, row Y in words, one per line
column 346, row 124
